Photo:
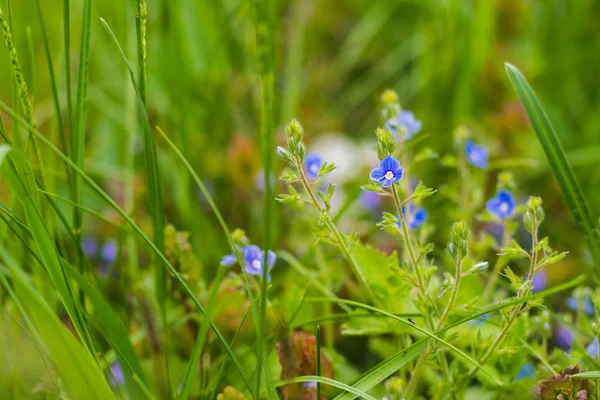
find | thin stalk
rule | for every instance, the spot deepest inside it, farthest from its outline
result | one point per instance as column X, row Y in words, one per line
column 318, row 361
column 67, row 50
column 336, row 233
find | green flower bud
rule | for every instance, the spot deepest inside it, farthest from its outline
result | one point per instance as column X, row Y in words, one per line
column 294, row 130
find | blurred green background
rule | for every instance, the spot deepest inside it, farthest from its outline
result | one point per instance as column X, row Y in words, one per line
column 333, row 59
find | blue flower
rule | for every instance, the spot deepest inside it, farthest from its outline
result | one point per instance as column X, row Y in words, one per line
column 503, row 205
column 592, row 348
column 117, row 378
column 109, row 251
column 477, row 154
column 254, row 258
column 539, row 281
column 414, row 218
column 313, row 164
column 526, row 371
column 481, row 320
column 90, row 247
column 228, row 260
column 405, row 122
column 309, row 385
column 388, row 172
column 563, row 337
column 588, row 306
column 369, row 200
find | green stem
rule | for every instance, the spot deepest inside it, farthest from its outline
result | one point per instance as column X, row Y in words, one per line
column 491, row 284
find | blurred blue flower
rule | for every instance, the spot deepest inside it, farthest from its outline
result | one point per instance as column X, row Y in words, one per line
column 228, row 260
column 406, row 123
column 481, row 320
column 369, row 200
column 592, row 348
column 109, row 251
column 117, row 378
column 309, row 385
column 254, row 257
column 563, row 337
column 477, row 154
column 90, row 247
column 414, row 218
column 539, row 281
column 503, row 205
column 388, row 172
column 313, row 164
column 526, row 371
column 259, row 181
column 588, row 306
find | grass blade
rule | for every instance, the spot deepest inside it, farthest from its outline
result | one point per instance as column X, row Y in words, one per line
column 379, row 373
column 328, row 381
column 77, row 368
column 559, row 165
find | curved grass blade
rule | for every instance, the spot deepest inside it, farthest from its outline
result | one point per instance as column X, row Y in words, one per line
column 104, row 196
column 327, row 381
column 587, row 375
column 561, row 169
column 433, row 336
column 384, row 369
column 76, row 366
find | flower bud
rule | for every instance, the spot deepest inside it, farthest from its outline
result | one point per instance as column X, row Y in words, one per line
column 459, row 237
column 284, row 154
column 386, row 145
column 301, row 151
column 294, row 130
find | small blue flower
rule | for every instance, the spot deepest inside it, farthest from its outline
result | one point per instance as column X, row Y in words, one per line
column 526, row 371
column 563, row 337
column 313, row 164
column 369, row 200
column 117, row 378
column 228, row 260
column 254, row 257
column 477, row 154
column 503, row 205
column 90, row 247
column 309, row 385
column 414, row 218
column 539, row 281
column 592, row 348
column 109, row 251
column 405, row 122
column 388, row 172
column 481, row 320
column 588, row 306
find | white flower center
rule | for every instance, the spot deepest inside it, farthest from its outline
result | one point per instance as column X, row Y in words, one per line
column 389, row 175
column 504, row 207
column 256, row 264
column 314, row 168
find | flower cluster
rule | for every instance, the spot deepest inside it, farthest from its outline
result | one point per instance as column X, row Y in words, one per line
column 254, row 260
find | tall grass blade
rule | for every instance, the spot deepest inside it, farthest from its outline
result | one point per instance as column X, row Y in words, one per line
column 585, row 219
column 263, row 10
column 322, row 379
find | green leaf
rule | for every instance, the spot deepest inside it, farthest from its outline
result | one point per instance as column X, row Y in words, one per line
column 365, row 326
column 558, row 163
column 587, row 375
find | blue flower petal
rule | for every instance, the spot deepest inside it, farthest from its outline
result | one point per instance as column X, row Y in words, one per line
column 592, row 348
column 313, row 164
column 526, row 371
column 398, row 174
column 389, row 164
column 420, row 215
column 228, row 260
column 271, row 258
column 251, row 253
column 539, row 280
column 493, row 206
column 377, row 175
column 387, row 183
